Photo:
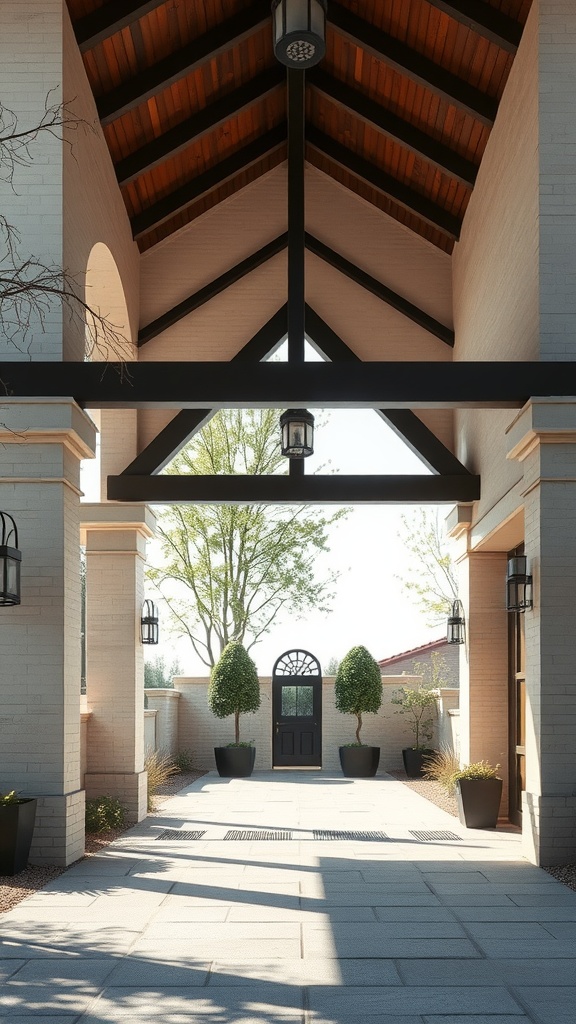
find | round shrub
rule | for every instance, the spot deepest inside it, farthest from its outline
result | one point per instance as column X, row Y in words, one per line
column 104, row 813
column 358, row 685
column 234, row 685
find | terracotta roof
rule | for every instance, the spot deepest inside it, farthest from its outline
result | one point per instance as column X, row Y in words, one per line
column 434, row 645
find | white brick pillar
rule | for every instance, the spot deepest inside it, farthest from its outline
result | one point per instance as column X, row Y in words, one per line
column 40, row 452
column 543, row 439
column 484, row 662
column 115, row 537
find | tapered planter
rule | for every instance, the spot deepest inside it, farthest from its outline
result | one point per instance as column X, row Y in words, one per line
column 359, row 762
column 235, row 762
column 478, row 802
column 414, row 761
column 16, row 831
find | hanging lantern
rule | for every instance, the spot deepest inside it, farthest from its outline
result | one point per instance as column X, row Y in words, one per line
column 297, row 429
column 456, row 624
column 149, row 623
column 518, row 584
column 299, row 32
column 10, row 559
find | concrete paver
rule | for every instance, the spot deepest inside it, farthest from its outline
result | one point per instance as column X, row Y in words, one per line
column 299, row 931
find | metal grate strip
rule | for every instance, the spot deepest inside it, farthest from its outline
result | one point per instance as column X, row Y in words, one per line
column 430, row 837
column 177, row 833
column 359, row 836
column 260, row 834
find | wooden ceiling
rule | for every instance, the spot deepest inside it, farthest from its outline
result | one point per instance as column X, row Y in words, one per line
column 193, row 102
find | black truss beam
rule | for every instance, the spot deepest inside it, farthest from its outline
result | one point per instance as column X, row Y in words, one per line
column 286, row 490
column 485, row 20
column 362, row 385
column 412, row 64
column 170, row 69
column 222, row 172
column 202, row 123
column 93, row 28
column 203, row 295
column 375, row 287
column 405, row 424
column 410, row 137
column 384, row 183
column 188, row 422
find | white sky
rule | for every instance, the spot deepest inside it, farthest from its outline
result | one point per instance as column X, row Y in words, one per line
column 371, row 606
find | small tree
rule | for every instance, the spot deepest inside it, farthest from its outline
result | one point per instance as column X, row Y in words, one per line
column 234, row 686
column 419, row 701
column 358, row 686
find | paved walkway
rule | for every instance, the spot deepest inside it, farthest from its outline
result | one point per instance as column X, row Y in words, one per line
column 305, row 930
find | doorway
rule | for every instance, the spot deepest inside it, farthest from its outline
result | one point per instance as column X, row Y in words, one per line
column 516, row 710
column 297, row 711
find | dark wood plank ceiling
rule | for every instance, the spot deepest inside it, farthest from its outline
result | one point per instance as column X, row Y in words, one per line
column 193, row 103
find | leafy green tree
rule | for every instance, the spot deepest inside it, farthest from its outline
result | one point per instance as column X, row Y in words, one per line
column 418, row 702
column 358, row 685
column 332, row 666
column 157, row 675
column 228, row 571
column 234, row 687
column 430, row 578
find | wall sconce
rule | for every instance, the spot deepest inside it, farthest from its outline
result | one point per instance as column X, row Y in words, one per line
column 299, row 32
column 518, row 585
column 149, row 623
column 10, row 559
column 455, row 633
column 297, row 428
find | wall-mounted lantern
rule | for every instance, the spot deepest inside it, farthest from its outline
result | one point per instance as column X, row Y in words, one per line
column 297, row 428
column 518, row 584
column 10, row 559
column 455, row 633
column 149, row 623
column 299, row 32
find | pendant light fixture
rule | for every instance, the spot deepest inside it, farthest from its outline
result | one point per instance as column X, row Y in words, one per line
column 299, row 32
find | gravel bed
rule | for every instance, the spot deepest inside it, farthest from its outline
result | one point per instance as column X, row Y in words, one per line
column 15, row 888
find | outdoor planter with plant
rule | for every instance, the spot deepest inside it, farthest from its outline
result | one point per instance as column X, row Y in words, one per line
column 477, row 786
column 418, row 703
column 358, row 691
column 17, row 817
column 234, row 690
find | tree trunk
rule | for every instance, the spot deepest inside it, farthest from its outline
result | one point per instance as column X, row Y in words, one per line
column 359, row 726
column 237, row 727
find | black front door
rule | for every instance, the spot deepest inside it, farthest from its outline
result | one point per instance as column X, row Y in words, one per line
column 297, row 712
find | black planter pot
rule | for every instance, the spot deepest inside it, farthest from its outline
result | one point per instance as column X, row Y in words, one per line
column 478, row 802
column 414, row 761
column 16, row 831
column 359, row 762
column 235, row 762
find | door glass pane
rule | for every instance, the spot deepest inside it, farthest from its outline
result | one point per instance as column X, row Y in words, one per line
column 297, row 701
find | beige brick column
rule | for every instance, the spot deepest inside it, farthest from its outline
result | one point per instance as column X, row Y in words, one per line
column 115, row 537
column 543, row 439
column 40, row 638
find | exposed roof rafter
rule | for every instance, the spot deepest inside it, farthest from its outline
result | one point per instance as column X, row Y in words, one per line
column 104, row 22
column 485, row 20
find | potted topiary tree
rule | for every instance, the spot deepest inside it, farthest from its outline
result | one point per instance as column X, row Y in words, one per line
column 234, row 690
column 358, row 690
column 418, row 702
column 17, row 818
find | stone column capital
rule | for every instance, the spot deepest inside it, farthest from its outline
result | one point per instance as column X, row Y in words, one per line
column 541, row 421
column 48, row 421
column 104, row 517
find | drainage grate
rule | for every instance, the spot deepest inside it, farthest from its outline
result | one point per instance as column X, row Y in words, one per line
column 430, row 837
column 359, row 836
column 177, row 833
column 260, row 834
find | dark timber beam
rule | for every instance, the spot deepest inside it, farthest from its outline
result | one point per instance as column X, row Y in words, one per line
column 197, row 299
column 188, row 422
column 285, row 490
column 405, row 424
column 202, row 123
column 375, row 287
column 104, row 22
column 351, row 100
column 271, row 385
column 384, row 183
column 485, row 20
column 412, row 64
column 176, row 65
column 222, row 172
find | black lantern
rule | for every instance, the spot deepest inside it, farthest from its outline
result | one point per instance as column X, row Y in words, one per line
column 149, row 623
column 299, row 32
column 10, row 559
column 456, row 624
column 297, row 427
column 518, row 585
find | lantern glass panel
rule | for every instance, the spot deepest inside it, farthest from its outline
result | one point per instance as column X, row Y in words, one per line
column 9, row 576
column 296, row 15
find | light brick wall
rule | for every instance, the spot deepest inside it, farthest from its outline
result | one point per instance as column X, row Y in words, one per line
column 165, row 702
column 450, row 664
